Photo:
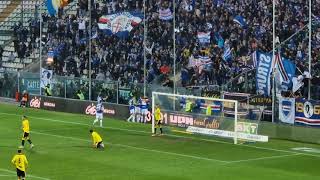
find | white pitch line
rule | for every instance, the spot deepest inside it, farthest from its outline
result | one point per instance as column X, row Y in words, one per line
column 134, row 147
column 28, row 175
column 264, row 158
column 171, row 135
column 4, row 175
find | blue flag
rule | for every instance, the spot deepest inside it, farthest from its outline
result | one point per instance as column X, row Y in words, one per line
column 227, row 53
column 263, row 73
column 241, row 21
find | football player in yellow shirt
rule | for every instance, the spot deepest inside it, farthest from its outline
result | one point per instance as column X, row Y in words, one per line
column 26, row 132
column 97, row 140
column 157, row 118
column 20, row 162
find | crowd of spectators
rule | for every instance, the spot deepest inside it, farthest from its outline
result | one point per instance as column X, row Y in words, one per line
column 113, row 58
column 217, row 18
column 122, row 59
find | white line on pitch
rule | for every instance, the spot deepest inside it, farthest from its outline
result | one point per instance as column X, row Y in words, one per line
column 5, row 175
column 264, row 158
column 134, row 147
column 145, row 132
column 28, row 175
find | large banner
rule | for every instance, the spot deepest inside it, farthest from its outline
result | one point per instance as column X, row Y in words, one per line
column 286, row 110
column 120, row 24
column 285, row 72
column 82, row 107
column 31, row 85
column 307, row 112
column 46, row 76
column 263, row 73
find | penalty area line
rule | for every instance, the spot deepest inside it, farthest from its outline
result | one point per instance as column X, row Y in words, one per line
column 264, row 158
column 27, row 174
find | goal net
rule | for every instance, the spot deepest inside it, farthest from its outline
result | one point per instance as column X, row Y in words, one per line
column 204, row 115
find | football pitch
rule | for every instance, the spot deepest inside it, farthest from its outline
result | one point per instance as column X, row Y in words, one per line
column 63, row 151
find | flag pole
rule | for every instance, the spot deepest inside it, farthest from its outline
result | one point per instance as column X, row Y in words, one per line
column 309, row 48
column 174, row 53
column 174, row 47
column 273, row 58
column 90, row 53
column 40, row 48
column 144, row 48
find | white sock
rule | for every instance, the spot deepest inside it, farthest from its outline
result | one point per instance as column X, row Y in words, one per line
column 100, row 122
column 131, row 116
column 94, row 122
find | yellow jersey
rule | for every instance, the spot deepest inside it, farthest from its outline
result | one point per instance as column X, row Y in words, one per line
column 25, row 126
column 96, row 138
column 208, row 110
column 20, row 161
column 157, row 114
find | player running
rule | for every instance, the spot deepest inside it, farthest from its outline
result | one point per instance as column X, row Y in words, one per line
column 97, row 140
column 99, row 113
column 157, row 118
column 26, row 132
column 21, row 163
column 132, row 110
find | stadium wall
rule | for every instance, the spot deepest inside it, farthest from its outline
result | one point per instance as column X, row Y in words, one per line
column 77, row 106
column 290, row 132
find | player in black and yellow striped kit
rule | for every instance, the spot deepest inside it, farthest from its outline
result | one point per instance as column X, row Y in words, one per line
column 157, row 118
column 26, row 132
column 20, row 162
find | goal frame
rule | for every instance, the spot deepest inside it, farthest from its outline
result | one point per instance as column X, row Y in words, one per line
column 154, row 93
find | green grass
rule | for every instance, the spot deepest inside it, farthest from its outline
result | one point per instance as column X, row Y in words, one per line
column 63, row 152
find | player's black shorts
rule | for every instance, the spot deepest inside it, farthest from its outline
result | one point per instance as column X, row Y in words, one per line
column 25, row 135
column 158, row 122
column 21, row 173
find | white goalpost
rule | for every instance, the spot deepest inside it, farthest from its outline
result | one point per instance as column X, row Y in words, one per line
column 204, row 115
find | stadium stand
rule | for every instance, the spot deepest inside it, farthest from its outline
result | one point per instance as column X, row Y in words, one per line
column 234, row 29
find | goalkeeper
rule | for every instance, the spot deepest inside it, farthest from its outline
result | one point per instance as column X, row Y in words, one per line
column 97, row 140
column 157, row 117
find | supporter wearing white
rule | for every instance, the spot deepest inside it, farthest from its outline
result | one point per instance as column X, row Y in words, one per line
column 132, row 110
column 82, row 25
column 99, row 114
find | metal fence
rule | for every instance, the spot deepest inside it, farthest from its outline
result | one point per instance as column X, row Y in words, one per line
column 68, row 87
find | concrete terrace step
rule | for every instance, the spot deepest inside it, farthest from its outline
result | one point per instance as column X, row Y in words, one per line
column 9, row 9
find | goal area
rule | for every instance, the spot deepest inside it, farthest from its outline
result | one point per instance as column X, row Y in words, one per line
column 206, row 116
